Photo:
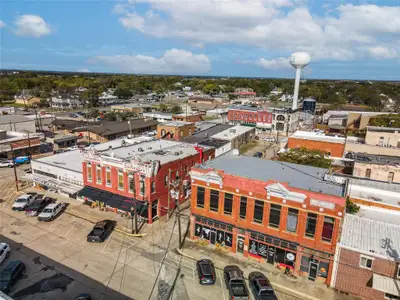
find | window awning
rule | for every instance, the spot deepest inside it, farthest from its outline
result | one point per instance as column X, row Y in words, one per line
column 386, row 284
column 114, row 200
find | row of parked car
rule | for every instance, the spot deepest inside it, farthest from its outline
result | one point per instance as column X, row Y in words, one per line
column 9, row 163
column 260, row 286
column 37, row 205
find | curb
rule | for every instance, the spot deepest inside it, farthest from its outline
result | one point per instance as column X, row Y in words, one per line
column 130, row 234
column 279, row 288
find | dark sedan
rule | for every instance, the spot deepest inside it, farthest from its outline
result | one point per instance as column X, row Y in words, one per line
column 10, row 275
column 36, row 207
column 261, row 287
column 206, row 271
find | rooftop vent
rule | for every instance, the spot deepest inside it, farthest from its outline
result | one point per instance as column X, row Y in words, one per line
column 140, row 149
column 160, row 152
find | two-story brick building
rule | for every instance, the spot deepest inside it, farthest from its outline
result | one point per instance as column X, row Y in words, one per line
column 277, row 212
column 137, row 175
column 367, row 260
column 175, row 130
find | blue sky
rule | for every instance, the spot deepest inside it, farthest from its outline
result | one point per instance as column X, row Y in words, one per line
column 346, row 39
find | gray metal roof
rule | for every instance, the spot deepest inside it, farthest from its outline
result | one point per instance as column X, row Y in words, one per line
column 371, row 237
column 106, row 129
column 206, row 134
column 366, row 158
column 4, row 119
column 298, row 176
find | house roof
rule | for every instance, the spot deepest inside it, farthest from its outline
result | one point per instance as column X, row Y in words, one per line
column 371, row 237
column 206, row 134
column 105, row 129
column 13, row 119
column 297, row 176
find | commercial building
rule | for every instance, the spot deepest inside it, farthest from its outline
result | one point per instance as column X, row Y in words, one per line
column 188, row 117
column 17, row 123
column 62, row 172
column 158, row 116
column 377, row 167
column 65, row 102
column 367, row 257
column 138, row 109
column 175, row 130
column 139, row 176
column 63, row 141
column 104, row 132
column 271, row 119
column 350, row 120
column 18, row 143
column 378, row 141
column 279, row 213
column 333, row 145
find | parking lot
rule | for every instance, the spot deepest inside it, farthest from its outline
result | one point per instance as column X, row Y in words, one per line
column 61, row 263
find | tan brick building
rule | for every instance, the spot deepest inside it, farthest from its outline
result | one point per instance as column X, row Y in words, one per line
column 175, row 130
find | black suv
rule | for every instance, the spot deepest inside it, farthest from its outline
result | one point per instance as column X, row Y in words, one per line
column 36, row 207
column 10, row 275
column 261, row 287
column 206, row 271
column 101, row 231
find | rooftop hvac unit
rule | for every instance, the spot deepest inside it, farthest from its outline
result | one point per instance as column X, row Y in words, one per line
column 140, row 149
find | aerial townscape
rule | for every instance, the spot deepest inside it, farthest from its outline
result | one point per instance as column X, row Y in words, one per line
column 148, row 177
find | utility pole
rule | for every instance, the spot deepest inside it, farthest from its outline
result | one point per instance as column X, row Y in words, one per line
column 169, row 192
column 179, row 209
column 15, row 169
column 130, row 128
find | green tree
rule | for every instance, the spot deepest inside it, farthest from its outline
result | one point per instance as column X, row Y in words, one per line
column 176, row 109
column 123, row 93
column 303, row 156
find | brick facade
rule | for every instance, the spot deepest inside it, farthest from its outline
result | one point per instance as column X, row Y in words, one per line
column 275, row 238
column 176, row 132
column 250, row 116
column 334, row 149
column 353, row 279
column 160, row 191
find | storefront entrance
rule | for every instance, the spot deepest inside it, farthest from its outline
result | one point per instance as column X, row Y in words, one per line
column 313, row 271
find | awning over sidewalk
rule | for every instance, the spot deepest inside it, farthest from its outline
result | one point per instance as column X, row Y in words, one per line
column 386, row 284
column 66, row 187
column 114, row 200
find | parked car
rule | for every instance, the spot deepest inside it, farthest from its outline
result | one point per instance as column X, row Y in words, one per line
column 59, row 151
column 6, row 164
column 73, row 115
column 258, row 154
column 206, row 271
column 235, row 283
column 37, row 206
column 83, row 297
column 261, row 287
column 22, row 160
column 23, row 201
column 101, row 231
column 4, row 252
column 73, row 148
column 51, row 211
column 10, row 275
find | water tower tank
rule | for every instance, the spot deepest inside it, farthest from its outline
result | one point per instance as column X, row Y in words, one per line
column 309, row 105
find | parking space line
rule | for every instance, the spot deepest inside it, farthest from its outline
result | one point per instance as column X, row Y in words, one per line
column 222, row 287
column 105, row 245
column 68, row 232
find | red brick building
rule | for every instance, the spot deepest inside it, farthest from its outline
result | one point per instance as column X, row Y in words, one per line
column 333, row 145
column 188, row 117
column 249, row 115
column 367, row 260
column 137, row 175
column 276, row 212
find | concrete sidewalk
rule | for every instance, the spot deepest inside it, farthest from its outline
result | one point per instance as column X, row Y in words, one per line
column 299, row 288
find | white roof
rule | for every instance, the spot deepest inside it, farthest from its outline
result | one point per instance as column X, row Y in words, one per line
column 370, row 237
column 316, row 136
column 385, row 284
column 231, row 133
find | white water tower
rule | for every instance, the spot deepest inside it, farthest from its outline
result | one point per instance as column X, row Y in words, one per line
column 298, row 60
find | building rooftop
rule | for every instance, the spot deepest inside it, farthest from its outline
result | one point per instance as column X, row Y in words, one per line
column 130, row 105
column 176, row 123
column 379, row 214
column 193, row 113
column 366, row 158
column 158, row 114
column 213, row 143
column 4, row 119
column 372, row 237
column 65, row 138
column 201, row 136
column 105, row 129
column 157, row 149
column 297, row 176
column 316, row 136
column 203, row 125
column 231, row 133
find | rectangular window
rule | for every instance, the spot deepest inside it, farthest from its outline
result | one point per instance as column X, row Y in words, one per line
column 108, row 176
column 390, row 176
column 291, row 224
column 327, row 230
column 368, row 173
column 131, row 179
column 89, row 171
column 120, row 180
column 228, row 200
column 366, row 262
column 142, row 185
column 214, row 199
column 200, row 197
column 258, row 211
column 243, row 207
column 275, row 215
column 153, row 187
column 305, row 264
column 311, row 224
column 398, row 271
column 98, row 174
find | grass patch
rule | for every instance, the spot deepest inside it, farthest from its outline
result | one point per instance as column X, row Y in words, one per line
column 207, row 118
column 246, row 147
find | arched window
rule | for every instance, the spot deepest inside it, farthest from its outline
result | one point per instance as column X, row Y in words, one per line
column 280, row 118
column 163, row 132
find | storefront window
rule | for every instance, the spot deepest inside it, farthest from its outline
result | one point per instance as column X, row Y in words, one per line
column 323, row 269
column 89, row 171
column 291, row 223
column 327, row 230
column 142, row 185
